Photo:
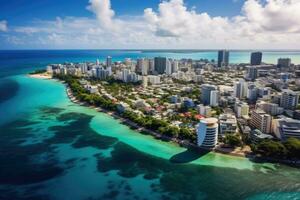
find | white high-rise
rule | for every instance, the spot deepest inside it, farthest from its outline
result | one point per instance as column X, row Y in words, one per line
column 214, row 98
column 168, row 67
column 207, row 133
column 240, row 89
column 175, row 66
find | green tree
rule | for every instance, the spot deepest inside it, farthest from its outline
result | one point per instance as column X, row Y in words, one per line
column 272, row 148
column 233, row 140
column 293, row 147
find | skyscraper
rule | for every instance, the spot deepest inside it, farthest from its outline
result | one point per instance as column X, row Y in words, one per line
column 214, row 98
column 206, row 93
column 169, row 67
column 256, row 58
column 240, row 89
column 160, row 64
column 252, row 73
column 108, row 61
column 223, row 58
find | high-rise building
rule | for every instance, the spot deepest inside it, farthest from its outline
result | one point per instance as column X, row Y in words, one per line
column 256, row 58
column 284, row 62
column 160, row 64
column 145, row 67
column 240, row 89
column 214, row 98
column 252, row 92
column 207, row 133
column 151, row 66
column 102, row 73
column 168, row 67
column 289, row 99
column 108, row 61
column 223, row 58
column 261, row 120
column 206, row 93
column 252, row 73
column 125, row 73
column 175, row 66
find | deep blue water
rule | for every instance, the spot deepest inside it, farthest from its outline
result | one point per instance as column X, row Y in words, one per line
column 51, row 148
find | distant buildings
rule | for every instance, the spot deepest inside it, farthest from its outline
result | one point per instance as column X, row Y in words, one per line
column 284, row 62
column 256, row 58
column 160, row 64
column 223, row 58
column 207, row 133
column 261, row 120
column 289, row 99
column 154, row 80
column 108, row 61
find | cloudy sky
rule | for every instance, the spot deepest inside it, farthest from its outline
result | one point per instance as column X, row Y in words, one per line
column 138, row 24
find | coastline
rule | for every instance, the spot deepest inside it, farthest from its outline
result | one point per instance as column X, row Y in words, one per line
column 237, row 152
column 156, row 135
column 40, row 76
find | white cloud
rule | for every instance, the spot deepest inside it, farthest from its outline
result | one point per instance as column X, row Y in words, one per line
column 104, row 13
column 3, row 26
column 261, row 24
column 275, row 16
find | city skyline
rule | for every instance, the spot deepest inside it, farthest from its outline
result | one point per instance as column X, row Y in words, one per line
column 173, row 24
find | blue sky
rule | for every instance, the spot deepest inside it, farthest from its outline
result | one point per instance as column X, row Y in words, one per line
column 149, row 23
column 20, row 12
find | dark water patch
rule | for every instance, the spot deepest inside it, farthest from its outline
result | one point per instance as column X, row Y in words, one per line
column 17, row 165
column 8, row 89
column 113, row 194
column 14, row 194
column 77, row 131
column 128, row 161
column 188, row 156
column 188, row 181
column 48, row 112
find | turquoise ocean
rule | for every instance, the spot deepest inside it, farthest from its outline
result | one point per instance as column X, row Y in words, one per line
column 51, row 148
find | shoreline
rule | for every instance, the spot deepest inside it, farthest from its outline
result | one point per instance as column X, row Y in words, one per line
column 181, row 143
column 40, row 76
column 143, row 130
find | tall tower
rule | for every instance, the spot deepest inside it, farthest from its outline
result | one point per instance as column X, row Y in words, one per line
column 160, row 64
column 256, row 58
column 223, row 58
